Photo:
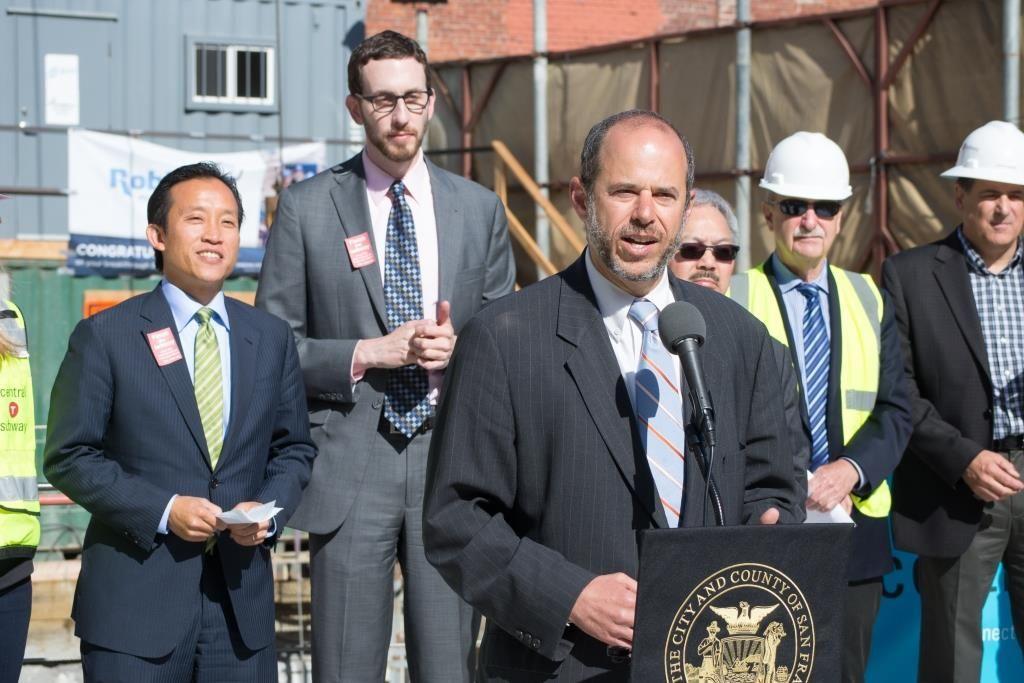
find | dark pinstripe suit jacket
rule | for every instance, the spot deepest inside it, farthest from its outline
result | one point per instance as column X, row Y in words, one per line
column 538, row 481
column 124, row 435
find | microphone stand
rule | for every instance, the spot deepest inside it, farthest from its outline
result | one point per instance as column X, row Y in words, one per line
column 704, row 438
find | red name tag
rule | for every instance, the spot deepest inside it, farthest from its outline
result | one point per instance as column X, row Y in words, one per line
column 164, row 347
column 360, row 250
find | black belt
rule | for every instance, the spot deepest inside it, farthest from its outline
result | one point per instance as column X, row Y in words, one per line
column 388, row 429
column 1009, row 443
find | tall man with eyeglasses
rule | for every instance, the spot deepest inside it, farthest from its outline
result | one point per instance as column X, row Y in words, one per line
column 843, row 337
column 376, row 263
column 707, row 257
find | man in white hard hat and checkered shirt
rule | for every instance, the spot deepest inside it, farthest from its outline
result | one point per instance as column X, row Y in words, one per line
column 957, row 493
column 845, row 344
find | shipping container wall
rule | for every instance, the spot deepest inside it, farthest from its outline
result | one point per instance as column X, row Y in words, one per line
column 130, row 66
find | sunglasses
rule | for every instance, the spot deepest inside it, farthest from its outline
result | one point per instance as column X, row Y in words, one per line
column 694, row 251
column 798, row 207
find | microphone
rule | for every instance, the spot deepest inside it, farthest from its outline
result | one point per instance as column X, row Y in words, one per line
column 682, row 330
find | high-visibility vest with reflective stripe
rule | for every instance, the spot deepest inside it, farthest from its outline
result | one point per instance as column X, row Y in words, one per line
column 861, row 325
column 19, row 493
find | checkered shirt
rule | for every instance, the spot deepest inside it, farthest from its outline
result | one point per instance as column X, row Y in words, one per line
column 999, row 298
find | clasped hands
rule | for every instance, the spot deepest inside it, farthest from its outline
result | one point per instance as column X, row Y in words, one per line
column 195, row 519
column 426, row 343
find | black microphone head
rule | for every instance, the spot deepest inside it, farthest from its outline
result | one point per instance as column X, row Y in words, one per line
column 681, row 320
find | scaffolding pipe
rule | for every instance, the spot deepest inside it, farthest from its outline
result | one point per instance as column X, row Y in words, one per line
column 422, row 28
column 540, row 121
column 1011, row 61
column 743, row 207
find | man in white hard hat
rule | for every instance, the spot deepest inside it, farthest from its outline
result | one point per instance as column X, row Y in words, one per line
column 845, row 344
column 957, row 493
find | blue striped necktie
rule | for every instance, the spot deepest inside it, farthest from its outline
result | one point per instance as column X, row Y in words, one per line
column 816, row 371
column 659, row 412
column 405, row 396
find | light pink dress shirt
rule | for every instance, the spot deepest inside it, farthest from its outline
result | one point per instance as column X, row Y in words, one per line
column 421, row 202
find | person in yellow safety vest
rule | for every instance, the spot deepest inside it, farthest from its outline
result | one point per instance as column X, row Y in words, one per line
column 844, row 341
column 19, row 498
column 706, row 256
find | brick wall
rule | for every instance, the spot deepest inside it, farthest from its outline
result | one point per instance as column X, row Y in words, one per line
column 477, row 29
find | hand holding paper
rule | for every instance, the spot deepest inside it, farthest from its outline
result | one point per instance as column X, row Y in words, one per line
column 249, row 521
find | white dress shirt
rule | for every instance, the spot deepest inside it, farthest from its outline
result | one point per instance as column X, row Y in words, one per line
column 625, row 334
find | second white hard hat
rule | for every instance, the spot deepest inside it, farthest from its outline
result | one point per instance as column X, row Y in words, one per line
column 808, row 166
column 993, row 152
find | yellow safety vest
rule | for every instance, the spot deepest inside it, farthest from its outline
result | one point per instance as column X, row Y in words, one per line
column 19, row 493
column 860, row 324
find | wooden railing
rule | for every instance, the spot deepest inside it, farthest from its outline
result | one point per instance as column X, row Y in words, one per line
column 505, row 163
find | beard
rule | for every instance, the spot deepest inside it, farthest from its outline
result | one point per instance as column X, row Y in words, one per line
column 395, row 151
column 601, row 242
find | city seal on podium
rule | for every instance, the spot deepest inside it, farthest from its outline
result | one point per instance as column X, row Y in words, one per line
column 748, row 623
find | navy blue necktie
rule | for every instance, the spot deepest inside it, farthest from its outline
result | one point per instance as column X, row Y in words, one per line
column 816, row 371
column 405, row 395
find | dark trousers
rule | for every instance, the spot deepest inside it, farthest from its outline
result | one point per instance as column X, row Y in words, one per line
column 15, row 611
column 353, row 586
column 861, row 608
column 211, row 652
column 954, row 590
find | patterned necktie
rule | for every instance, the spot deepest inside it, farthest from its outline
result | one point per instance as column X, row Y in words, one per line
column 816, row 370
column 659, row 412
column 209, row 385
column 405, row 395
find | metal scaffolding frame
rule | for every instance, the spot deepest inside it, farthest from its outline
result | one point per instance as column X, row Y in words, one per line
column 878, row 81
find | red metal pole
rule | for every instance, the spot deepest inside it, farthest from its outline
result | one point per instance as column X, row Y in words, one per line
column 881, row 188
column 654, row 61
column 467, row 119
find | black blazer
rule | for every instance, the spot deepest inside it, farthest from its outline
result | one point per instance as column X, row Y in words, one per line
column 537, row 479
column 935, row 512
column 878, row 445
column 124, row 435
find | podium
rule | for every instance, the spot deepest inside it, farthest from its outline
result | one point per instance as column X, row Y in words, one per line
column 743, row 604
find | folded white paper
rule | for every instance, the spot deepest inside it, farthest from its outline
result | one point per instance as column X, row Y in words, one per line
column 260, row 513
column 836, row 515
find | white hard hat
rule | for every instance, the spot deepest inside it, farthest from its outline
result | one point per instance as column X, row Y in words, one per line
column 807, row 166
column 993, row 152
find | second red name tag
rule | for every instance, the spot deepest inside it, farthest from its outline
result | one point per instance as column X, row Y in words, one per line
column 164, row 346
column 360, row 250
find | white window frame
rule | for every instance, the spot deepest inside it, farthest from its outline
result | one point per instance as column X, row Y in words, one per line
column 231, row 101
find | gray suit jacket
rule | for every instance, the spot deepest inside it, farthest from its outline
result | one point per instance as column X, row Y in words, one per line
column 538, row 481
column 308, row 280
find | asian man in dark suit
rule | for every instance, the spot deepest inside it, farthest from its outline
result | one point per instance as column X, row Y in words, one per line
column 169, row 408
column 548, row 459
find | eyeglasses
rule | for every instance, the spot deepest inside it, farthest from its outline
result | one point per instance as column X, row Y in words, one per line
column 385, row 103
column 694, row 251
column 798, row 207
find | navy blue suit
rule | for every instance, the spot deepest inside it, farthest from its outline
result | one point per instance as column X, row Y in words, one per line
column 124, row 435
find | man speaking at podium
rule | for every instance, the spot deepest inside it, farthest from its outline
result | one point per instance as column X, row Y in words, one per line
column 549, row 455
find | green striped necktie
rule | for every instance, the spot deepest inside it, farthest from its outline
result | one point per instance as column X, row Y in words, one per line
column 209, row 385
